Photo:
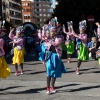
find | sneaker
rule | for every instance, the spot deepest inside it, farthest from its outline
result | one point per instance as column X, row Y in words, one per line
column 53, row 90
column 16, row 73
column 77, row 71
column 43, row 62
column 69, row 60
column 22, row 73
column 48, row 91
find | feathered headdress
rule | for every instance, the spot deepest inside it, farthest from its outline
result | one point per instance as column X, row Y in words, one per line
column 53, row 31
column 82, row 25
column 18, row 31
column 69, row 24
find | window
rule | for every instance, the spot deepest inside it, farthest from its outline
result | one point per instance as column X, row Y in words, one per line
column 37, row 19
column 44, row 20
column 40, row 10
column 37, row 4
column 44, row 10
column 49, row 15
column 37, row 14
column 37, row 9
column 28, row 17
column 40, row 14
column 48, row 10
column 44, row 14
column 41, row 20
column 28, row 4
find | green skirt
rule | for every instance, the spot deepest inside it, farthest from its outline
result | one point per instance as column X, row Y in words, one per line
column 83, row 53
column 63, row 46
column 70, row 48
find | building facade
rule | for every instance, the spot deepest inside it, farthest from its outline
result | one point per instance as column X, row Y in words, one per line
column 27, row 11
column 11, row 11
column 43, row 11
column 15, row 12
column 0, row 9
column 36, row 11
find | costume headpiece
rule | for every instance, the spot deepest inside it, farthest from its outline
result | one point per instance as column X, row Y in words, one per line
column 18, row 30
column 53, row 29
column 69, row 24
column 82, row 25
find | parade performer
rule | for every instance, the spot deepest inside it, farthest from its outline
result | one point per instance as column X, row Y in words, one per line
column 98, row 29
column 38, row 41
column 83, row 50
column 98, row 42
column 70, row 38
column 4, row 69
column 45, row 33
column 11, row 34
column 56, row 40
column 19, row 51
column 54, row 65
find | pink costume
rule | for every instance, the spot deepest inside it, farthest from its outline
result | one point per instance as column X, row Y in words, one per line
column 40, row 35
column 19, row 42
column 11, row 36
column 43, row 33
column 57, row 45
column 70, row 35
column 83, row 38
column 2, row 52
column 98, row 32
column 48, row 44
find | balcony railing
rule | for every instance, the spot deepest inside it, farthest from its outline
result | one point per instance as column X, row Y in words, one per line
column 16, row 8
column 16, row 2
column 16, row 16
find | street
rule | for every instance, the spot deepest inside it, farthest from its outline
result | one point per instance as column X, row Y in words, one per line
column 32, row 85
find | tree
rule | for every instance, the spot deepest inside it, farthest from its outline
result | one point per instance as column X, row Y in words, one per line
column 74, row 9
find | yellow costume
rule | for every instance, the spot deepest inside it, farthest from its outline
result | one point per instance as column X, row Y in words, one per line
column 18, row 56
column 4, row 69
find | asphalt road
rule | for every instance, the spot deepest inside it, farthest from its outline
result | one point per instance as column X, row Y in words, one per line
column 32, row 85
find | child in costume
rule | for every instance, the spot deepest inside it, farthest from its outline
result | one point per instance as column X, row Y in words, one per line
column 83, row 50
column 70, row 38
column 54, row 65
column 4, row 69
column 19, row 51
column 98, row 42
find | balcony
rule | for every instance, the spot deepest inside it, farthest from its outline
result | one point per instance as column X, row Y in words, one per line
column 15, row 17
column 15, row 2
column 14, row 6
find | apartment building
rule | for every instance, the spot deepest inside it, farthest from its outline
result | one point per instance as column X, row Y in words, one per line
column 11, row 11
column 2, row 9
column 15, row 12
column 28, row 11
column 43, row 11
column 36, row 11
